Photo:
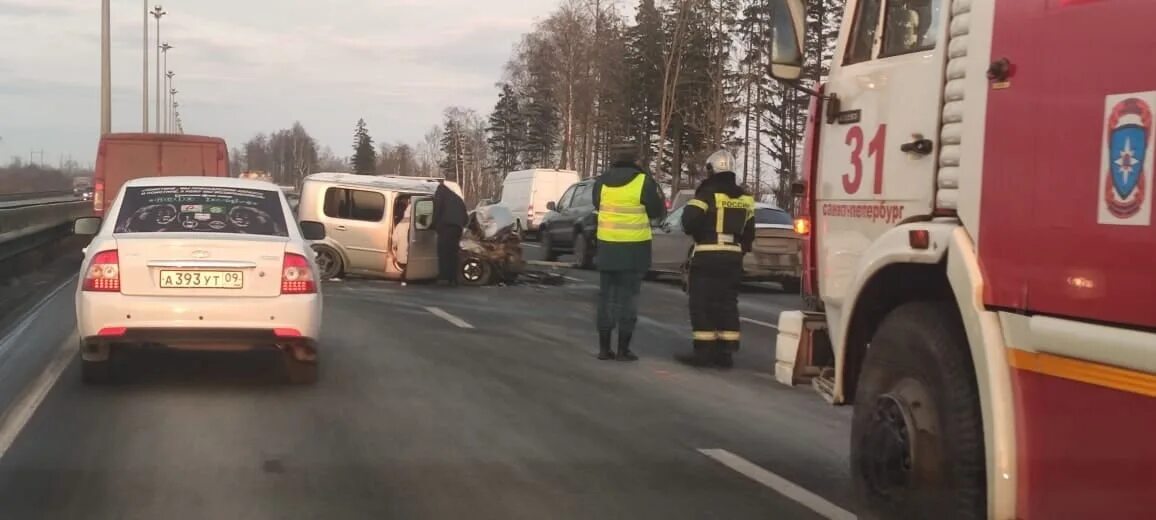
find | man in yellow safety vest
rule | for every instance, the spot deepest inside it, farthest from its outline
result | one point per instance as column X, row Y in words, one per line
column 721, row 219
column 627, row 200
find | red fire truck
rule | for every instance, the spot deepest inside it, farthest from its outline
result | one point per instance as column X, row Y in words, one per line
column 982, row 247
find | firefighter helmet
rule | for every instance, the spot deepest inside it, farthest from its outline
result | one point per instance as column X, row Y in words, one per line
column 719, row 162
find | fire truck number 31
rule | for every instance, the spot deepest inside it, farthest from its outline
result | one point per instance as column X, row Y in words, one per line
column 851, row 181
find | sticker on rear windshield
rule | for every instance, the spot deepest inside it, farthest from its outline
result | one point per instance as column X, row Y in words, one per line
column 203, row 216
column 191, row 208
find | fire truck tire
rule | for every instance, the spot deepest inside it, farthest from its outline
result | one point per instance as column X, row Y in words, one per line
column 791, row 285
column 917, row 433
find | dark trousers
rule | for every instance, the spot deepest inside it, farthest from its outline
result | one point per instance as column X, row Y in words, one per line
column 618, row 301
column 449, row 248
column 714, row 299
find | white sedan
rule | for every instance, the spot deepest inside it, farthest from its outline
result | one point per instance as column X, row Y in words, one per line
column 199, row 263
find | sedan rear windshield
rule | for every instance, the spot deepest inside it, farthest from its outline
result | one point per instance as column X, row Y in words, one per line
column 201, row 209
column 772, row 216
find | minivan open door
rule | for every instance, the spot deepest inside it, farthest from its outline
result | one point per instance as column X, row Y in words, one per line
column 423, row 243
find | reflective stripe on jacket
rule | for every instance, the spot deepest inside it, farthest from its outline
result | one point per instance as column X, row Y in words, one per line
column 621, row 215
column 730, row 219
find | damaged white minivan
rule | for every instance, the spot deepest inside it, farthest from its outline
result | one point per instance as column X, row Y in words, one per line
column 380, row 226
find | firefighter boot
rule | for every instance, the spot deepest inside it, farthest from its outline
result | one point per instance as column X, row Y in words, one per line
column 624, row 352
column 724, row 354
column 700, row 357
column 604, row 352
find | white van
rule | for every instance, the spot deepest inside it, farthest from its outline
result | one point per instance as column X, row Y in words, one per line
column 525, row 193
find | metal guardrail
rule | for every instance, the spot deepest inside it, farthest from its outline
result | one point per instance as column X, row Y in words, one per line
column 5, row 197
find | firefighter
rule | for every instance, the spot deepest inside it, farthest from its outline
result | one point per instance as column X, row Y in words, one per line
column 627, row 200
column 720, row 218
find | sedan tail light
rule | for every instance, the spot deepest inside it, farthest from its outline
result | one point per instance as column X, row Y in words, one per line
column 103, row 273
column 297, row 276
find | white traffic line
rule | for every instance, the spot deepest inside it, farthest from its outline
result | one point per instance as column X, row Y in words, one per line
column 25, row 406
column 528, row 244
column 572, row 279
column 763, row 323
column 30, row 316
column 783, row 486
column 449, row 317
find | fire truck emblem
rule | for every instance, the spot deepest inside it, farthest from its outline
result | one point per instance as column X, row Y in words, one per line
column 1127, row 160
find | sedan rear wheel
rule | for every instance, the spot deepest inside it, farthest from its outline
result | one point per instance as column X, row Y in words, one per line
column 96, row 372
column 300, row 372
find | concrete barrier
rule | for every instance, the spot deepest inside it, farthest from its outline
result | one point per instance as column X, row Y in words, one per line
column 21, row 224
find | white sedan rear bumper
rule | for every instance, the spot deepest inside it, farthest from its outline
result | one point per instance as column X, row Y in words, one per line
column 293, row 318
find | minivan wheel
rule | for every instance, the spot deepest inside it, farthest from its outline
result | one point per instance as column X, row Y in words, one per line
column 328, row 262
column 475, row 271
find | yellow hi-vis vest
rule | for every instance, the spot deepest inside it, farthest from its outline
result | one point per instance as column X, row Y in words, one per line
column 621, row 215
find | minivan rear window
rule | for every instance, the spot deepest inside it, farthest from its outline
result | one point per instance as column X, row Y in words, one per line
column 201, row 209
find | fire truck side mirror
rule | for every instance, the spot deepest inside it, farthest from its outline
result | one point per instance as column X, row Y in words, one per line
column 787, row 44
column 798, row 189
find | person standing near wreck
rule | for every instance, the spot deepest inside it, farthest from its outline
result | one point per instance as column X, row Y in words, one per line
column 449, row 219
column 627, row 199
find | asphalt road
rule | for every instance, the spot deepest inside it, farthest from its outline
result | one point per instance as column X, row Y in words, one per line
column 433, row 403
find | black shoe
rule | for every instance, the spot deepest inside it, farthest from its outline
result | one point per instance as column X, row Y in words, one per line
column 604, row 352
column 624, row 353
column 700, row 357
column 724, row 354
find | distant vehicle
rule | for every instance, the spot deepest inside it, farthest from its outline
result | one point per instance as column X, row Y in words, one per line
column 87, row 193
column 525, row 193
column 680, row 199
column 198, row 263
column 776, row 255
column 360, row 213
column 122, row 157
column 571, row 225
column 256, row 176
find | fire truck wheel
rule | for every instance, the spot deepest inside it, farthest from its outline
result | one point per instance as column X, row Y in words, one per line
column 917, row 434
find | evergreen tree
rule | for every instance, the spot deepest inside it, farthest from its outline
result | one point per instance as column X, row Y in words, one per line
column 507, row 131
column 644, row 58
column 364, row 159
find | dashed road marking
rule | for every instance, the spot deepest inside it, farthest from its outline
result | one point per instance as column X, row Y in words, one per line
column 527, row 244
column 449, row 317
column 18, row 415
column 781, row 485
column 572, row 279
column 763, row 323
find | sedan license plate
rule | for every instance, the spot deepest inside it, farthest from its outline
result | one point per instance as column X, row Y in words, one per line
column 202, row 280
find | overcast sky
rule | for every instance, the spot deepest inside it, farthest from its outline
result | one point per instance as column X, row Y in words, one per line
column 247, row 66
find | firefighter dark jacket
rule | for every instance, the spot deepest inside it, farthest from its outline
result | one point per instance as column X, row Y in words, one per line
column 702, row 224
column 628, row 256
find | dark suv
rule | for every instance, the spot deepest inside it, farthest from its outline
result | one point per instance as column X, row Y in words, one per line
column 570, row 226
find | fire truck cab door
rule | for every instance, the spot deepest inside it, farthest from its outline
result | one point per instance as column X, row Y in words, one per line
column 879, row 138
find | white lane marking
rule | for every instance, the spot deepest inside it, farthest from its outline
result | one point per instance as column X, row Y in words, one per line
column 16, row 417
column 781, row 485
column 29, row 317
column 572, row 279
column 763, row 323
column 527, row 244
column 449, row 317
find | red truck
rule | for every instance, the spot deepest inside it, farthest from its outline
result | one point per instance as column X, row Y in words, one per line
column 979, row 204
column 122, row 157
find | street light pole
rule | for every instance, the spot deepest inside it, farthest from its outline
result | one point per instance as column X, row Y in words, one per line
column 169, row 86
column 105, row 70
column 144, row 103
column 157, row 13
column 173, row 99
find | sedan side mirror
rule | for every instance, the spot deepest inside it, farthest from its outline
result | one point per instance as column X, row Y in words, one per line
column 551, row 206
column 312, row 230
column 86, row 226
